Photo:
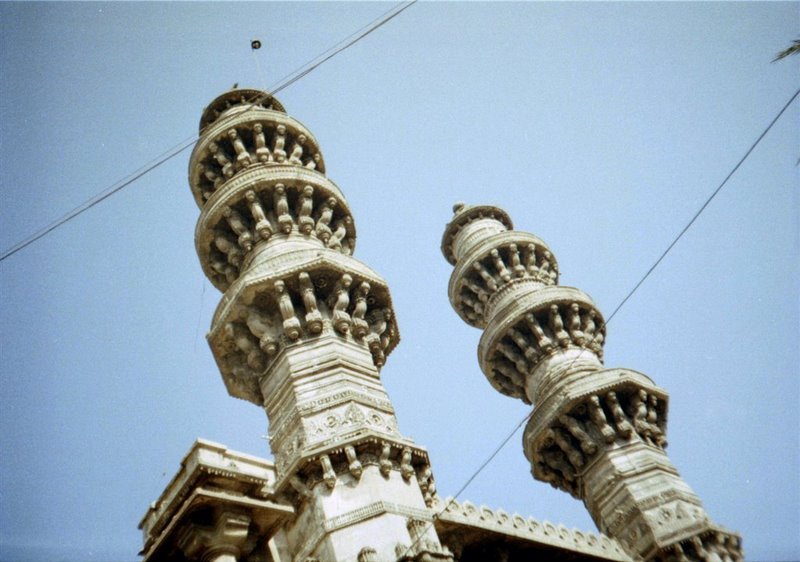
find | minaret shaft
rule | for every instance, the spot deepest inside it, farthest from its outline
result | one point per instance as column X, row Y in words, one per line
column 302, row 330
column 597, row 433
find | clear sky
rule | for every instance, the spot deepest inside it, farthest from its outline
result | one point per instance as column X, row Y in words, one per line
column 599, row 127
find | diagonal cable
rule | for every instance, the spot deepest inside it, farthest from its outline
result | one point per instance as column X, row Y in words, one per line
column 183, row 145
column 605, row 323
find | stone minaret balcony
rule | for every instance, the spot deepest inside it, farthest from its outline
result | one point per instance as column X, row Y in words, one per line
column 596, row 433
column 303, row 329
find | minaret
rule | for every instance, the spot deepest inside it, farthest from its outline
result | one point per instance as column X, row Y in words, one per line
column 302, row 330
column 598, row 434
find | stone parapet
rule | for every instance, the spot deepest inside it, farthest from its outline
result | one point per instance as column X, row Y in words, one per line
column 218, row 499
column 458, row 515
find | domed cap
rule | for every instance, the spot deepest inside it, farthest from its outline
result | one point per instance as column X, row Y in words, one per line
column 465, row 214
column 242, row 98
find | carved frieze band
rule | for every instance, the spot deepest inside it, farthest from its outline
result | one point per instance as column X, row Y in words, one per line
column 512, row 349
column 289, row 416
column 496, row 266
column 256, row 210
column 329, row 426
column 256, row 136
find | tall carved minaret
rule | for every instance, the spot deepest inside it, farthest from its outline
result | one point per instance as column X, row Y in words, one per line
column 596, row 433
column 302, row 330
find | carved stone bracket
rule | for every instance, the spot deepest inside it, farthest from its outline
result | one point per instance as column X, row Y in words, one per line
column 583, row 429
column 330, row 465
column 250, row 331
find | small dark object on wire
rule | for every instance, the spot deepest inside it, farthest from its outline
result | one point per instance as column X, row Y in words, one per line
column 255, row 44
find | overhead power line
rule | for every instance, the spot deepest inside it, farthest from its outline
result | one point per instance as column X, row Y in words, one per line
column 170, row 153
column 704, row 205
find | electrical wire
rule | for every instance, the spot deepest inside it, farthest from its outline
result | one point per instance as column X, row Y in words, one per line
column 102, row 196
column 168, row 154
column 704, row 205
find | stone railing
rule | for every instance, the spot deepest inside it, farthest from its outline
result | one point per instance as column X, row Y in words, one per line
column 531, row 529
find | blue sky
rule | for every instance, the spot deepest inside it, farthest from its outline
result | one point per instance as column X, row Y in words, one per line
column 599, row 127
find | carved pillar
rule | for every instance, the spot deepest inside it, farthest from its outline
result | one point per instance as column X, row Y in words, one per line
column 303, row 329
column 598, row 434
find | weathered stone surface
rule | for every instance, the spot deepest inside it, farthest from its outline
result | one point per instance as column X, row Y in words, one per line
column 599, row 434
column 302, row 331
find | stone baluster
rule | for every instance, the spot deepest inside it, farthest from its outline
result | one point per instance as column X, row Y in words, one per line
column 222, row 159
column 360, row 325
column 296, row 156
column 312, row 163
column 263, row 227
column 235, row 221
column 261, row 328
column 354, row 465
column 328, row 474
column 542, row 340
column 406, row 470
column 516, row 262
column 575, row 332
column 313, row 315
column 305, row 209
column 620, row 420
column 281, row 203
column 340, row 298
column 557, row 326
column 228, row 247
column 578, row 432
column 384, row 462
column 530, row 260
column 260, row 142
column 291, row 325
column 323, row 228
column 500, row 266
column 335, row 241
column 243, row 340
column 279, row 144
column 490, row 281
column 243, row 158
column 598, row 417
